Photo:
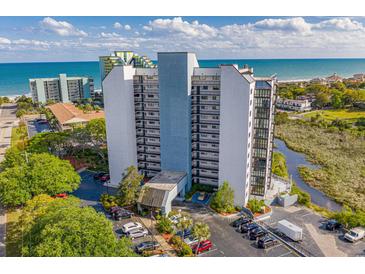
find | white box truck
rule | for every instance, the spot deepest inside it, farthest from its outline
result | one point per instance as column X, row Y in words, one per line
column 290, row 230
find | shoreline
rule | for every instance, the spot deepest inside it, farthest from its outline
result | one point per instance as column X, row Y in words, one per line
column 14, row 96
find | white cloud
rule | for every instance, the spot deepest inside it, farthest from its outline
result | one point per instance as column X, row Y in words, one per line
column 297, row 24
column 4, row 41
column 127, row 27
column 177, row 25
column 61, row 28
column 109, row 35
column 117, row 25
column 343, row 23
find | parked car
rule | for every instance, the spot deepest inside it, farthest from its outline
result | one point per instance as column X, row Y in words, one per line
column 355, row 234
column 122, row 214
column 184, row 234
column 247, row 227
column 131, row 226
column 147, row 246
column 240, row 221
column 61, row 195
column 333, row 225
column 137, row 233
column 105, row 178
column 202, row 246
column 201, row 196
column 115, row 209
column 98, row 176
column 175, row 218
column 257, row 233
column 191, row 240
column 267, row 241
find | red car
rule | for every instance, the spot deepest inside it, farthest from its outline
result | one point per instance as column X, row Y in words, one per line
column 61, row 195
column 105, row 178
column 202, row 246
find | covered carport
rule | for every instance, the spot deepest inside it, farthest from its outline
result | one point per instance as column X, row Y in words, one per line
column 161, row 190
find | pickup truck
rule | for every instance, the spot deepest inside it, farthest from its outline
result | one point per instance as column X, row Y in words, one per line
column 355, row 234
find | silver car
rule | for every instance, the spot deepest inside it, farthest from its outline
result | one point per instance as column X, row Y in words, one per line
column 137, row 233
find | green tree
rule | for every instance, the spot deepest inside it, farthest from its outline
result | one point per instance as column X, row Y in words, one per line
column 39, row 174
column 66, row 229
column 130, row 186
column 200, row 231
column 337, row 99
column 255, row 205
column 184, row 223
column 223, row 200
column 13, row 157
column 279, row 165
column 322, row 99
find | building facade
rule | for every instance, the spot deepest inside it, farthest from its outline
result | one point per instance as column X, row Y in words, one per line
column 61, row 89
column 121, row 58
column 293, row 104
column 183, row 118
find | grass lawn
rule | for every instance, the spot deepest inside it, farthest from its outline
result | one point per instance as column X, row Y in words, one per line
column 343, row 114
column 12, row 249
column 18, row 134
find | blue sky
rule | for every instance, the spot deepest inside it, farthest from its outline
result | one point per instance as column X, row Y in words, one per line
column 47, row 39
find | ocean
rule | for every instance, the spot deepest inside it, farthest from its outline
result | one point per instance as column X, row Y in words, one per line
column 14, row 76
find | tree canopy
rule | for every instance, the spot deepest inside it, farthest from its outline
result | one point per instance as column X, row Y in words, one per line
column 130, row 186
column 37, row 174
column 60, row 227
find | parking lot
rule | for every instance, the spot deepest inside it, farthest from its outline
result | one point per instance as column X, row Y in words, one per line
column 316, row 239
column 226, row 241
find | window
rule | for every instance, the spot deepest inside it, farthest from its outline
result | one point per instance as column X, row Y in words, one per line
column 205, row 87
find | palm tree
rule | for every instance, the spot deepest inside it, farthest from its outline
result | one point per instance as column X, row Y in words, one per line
column 201, row 232
column 184, row 223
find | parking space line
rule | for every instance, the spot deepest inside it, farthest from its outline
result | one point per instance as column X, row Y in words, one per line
column 282, row 255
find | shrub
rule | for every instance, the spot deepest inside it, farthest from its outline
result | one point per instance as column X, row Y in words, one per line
column 279, row 167
column 350, row 218
column 182, row 249
column 304, row 198
column 255, row 205
column 164, row 225
column 223, row 200
column 109, row 201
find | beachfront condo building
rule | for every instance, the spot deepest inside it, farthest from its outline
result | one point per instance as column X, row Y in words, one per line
column 61, row 89
column 213, row 124
column 118, row 58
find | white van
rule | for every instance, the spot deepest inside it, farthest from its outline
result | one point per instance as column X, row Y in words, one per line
column 355, row 234
column 131, row 226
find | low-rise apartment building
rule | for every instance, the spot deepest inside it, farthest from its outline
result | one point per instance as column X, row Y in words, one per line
column 213, row 124
column 293, row 104
column 61, row 89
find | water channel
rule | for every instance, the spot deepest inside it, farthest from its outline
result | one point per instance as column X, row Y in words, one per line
column 295, row 159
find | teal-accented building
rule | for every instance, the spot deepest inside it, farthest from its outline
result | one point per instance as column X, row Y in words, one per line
column 61, row 89
column 205, row 125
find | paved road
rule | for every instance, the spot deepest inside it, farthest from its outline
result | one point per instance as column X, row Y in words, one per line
column 7, row 121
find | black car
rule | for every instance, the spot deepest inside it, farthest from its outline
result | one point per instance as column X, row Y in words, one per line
column 240, row 221
column 257, row 233
column 266, row 241
column 333, row 225
column 147, row 246
column 122, row 214
column 98, row 176
column 247, row 227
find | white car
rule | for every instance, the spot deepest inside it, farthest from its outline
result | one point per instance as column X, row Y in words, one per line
column 137, row 233
column 191, row 240
column 131, row 226
column 355, row 234
column 175, row 218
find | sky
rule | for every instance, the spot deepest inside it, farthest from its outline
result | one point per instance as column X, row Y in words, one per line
column 57, row 39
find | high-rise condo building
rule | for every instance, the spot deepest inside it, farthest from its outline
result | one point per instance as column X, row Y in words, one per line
column 118, row 58
column 212, row 124
column 61, row 89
